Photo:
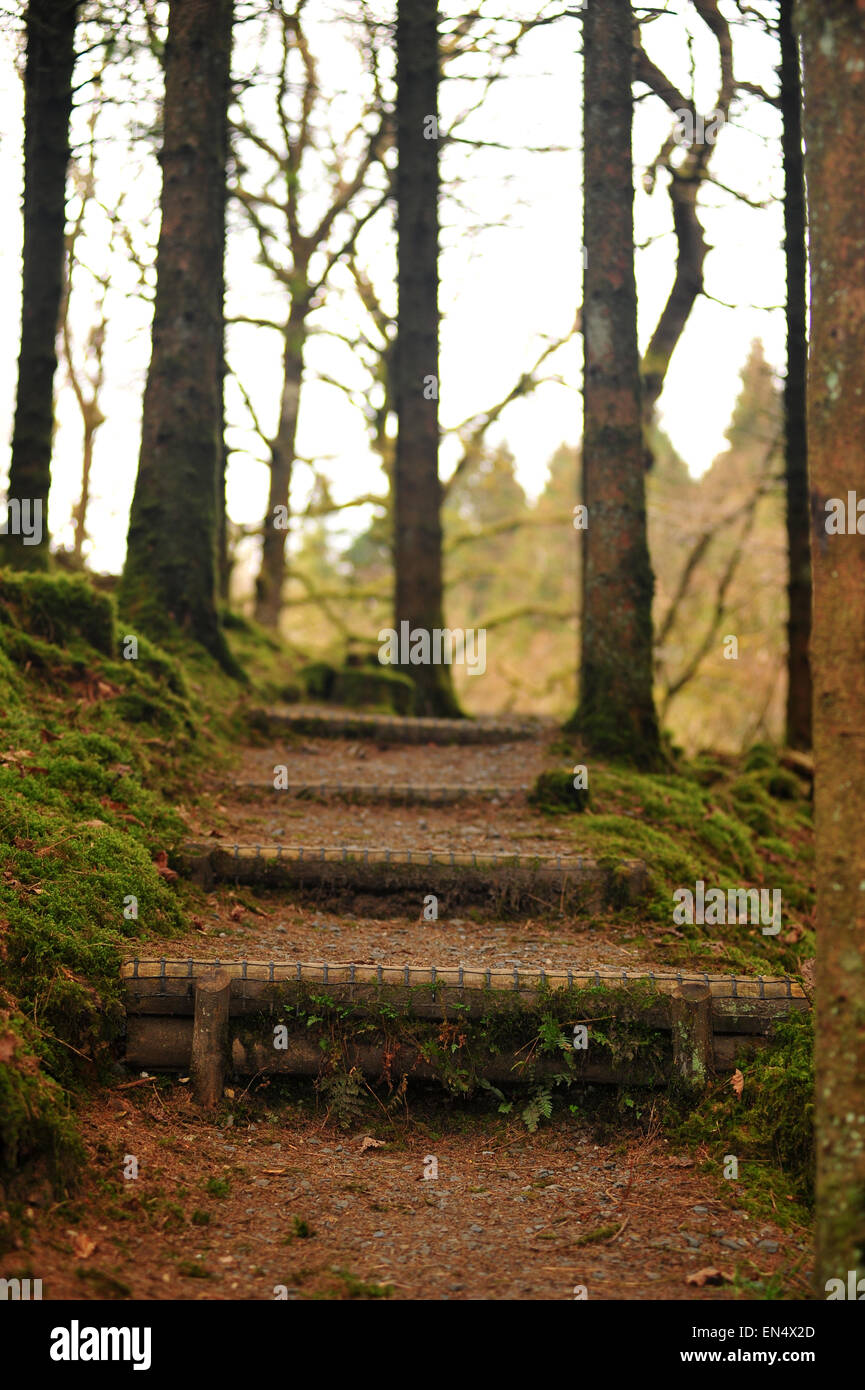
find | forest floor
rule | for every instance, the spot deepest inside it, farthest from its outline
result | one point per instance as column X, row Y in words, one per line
column 280, row 1197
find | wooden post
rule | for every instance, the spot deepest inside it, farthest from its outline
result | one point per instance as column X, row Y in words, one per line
column 210, row 1037
column 693, row 1051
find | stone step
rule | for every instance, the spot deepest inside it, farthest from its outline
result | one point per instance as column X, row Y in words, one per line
column 506, row 882
column 389, row 728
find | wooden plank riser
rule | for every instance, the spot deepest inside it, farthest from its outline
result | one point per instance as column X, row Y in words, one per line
column 389, row 728
column 165, row 1044
column 361, row 793
column 175, row 997
column 501, row 885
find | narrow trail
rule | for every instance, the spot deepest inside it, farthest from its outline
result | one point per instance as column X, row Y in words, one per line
column 282, row 1203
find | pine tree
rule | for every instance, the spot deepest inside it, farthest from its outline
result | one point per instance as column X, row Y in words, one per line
column 50, row 31
column 833, row 53
column 416, row 487
column 170, row 575
column 798, row 720
column 616, row 714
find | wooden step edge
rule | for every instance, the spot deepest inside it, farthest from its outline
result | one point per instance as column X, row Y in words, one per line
column 416, row 858
column 461, row 977
column 442, row 793
column 397, row 728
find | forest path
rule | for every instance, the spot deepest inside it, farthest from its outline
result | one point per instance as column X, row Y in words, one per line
column 281, row 1202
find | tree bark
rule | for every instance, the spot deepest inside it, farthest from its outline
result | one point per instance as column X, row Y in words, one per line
column 616, row 714
column 271, row 576
column 416, row 489
column 833, row 52
column 171, row 561
column 798, row 719
column 50, row 29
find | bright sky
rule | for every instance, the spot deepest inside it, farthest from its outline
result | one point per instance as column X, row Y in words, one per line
column 505, row 287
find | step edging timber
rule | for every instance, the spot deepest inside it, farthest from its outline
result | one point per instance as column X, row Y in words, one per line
column 312, row 720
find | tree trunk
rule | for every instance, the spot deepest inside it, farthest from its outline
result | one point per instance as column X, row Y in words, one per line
column 616, row 714
column 796, row 447
column 50, row 27
column 171, row 560
column 417, row 537
column 93, row 419
column 271, row 576
column 833, row 53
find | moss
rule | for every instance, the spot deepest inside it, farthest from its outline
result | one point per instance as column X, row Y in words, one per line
column 78, row 830
column 555, row 792
column 317, row 680
column 685, row 831
column 361, row 687
column 58, row 609
column 772, row 1120
column 781, row 784
column 760, row 755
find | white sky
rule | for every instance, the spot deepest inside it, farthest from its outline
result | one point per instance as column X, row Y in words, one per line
column 504, row 289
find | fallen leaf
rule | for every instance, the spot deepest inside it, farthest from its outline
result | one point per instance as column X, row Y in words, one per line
column 83, row 1245
column 368, row 1143
column 709, row 1275
column 160, row 863
column 236, row 913
column 47, row 736
column 737, row 1081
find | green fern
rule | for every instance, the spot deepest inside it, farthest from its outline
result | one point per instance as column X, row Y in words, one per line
column 540, row 1107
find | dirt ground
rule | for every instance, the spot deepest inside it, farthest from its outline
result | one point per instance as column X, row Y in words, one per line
column 434, row 1200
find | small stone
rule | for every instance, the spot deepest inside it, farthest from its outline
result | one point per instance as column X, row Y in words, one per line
column 701, row 1211
column 770, row 1245
column 378, row 1235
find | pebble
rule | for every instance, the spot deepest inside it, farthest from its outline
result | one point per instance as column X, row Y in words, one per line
column 770, row 1245
column 701, row 1211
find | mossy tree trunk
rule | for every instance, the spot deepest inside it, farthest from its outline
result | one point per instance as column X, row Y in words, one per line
column 616, row 714
column 798, row 720
column 50, row 31
column 416, row 488
column 833, row 54
column 171, row 561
